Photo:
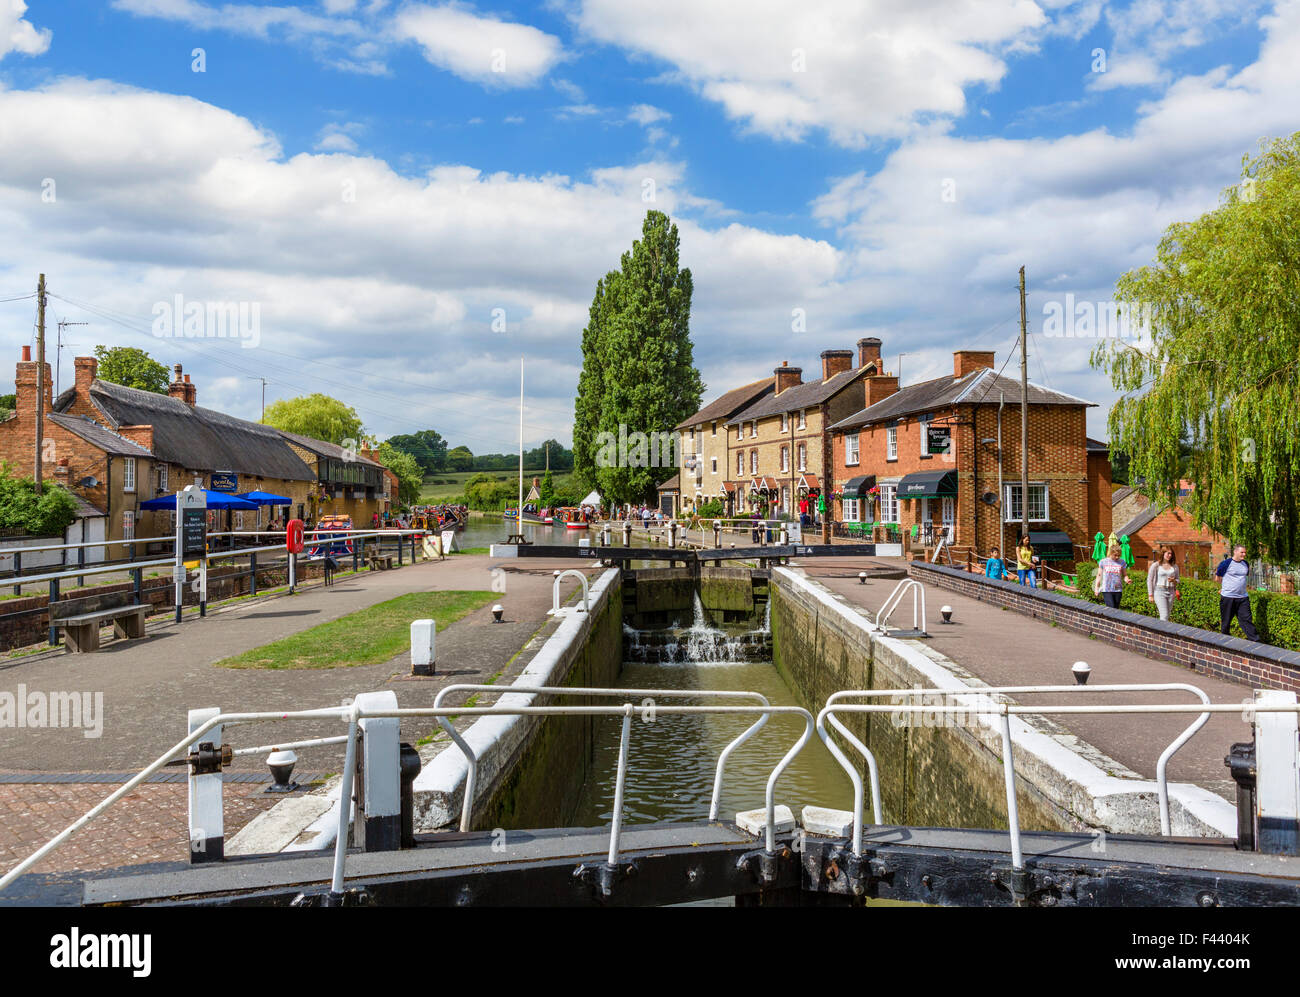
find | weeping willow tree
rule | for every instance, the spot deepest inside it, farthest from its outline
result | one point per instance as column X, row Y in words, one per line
column 1215, row 395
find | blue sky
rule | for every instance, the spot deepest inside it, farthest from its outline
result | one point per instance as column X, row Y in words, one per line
column 877, row 168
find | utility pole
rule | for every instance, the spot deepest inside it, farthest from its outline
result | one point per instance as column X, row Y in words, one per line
column 263, row 380
column 58, row 351
column 1024, row 416
column 40, row 376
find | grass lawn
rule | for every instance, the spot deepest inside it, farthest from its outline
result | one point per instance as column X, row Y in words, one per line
column 366, row 637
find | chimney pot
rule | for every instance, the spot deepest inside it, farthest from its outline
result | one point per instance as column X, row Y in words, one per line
column 27, row 354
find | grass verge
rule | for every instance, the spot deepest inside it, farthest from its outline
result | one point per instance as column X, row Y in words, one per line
column 366, row 637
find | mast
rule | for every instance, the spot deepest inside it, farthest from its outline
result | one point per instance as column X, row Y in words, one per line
column 519, row 509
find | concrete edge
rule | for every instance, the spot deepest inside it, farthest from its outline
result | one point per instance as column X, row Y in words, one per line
column 1077, row 779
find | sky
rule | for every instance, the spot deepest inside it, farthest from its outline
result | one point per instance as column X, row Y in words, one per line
column 406, row 198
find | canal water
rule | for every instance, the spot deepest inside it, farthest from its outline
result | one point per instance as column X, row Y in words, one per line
column 671, row 760
column 481, row 531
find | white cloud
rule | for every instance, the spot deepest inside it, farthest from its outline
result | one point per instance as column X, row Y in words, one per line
column 338, row 137
column 486, row 50
column 18, row 34
column 645, row 114
column 390, row 280
column 857, row 71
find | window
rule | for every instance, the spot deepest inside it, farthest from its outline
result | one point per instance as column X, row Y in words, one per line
column 699, row 440
column 740, row 431
column 785, row 459
column 785, row 422
column 753, row 462
column 128, row 522
column 851, row 448
column 713, row 469
column 239, row 519
column 803, row 456
column 889, row 503
column 851, row 511
column 740, row 463
column 128, row 474
column 753, row 429
column 785, row 498
column 803, row 419
column 714, row 429
column 891, row 443
column 1037, row 503
column 162, row 477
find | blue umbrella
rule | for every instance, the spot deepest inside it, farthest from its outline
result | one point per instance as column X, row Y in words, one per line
column 216, row 500
column 265, row 498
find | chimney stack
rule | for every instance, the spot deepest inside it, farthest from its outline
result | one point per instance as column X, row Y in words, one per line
column 181, row 387
column 966, row 361
column 87, row 370
column 787, row 376
column 836, row 362
column 869, row 353
column 25, row 385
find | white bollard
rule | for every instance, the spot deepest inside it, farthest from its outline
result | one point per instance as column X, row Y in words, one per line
column 424, row 635
column 378, row 827
column 206, row 814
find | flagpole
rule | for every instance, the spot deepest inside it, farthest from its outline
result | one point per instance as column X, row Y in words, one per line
column 519, row 509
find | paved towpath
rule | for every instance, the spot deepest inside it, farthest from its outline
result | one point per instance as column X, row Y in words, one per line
column 1003, row 647
column 149, row 684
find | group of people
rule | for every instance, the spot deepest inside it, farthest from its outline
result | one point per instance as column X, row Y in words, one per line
column 1232, row 576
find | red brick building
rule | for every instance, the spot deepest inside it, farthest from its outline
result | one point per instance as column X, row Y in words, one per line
column 927, row 456
column 1154, row 527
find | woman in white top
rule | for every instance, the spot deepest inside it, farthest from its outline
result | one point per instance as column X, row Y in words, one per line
column 1162, row 582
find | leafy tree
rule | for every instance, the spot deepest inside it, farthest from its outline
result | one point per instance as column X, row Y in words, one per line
column 131, row 367
column 547, row 490
column 638, row 374
column 1216, row 396
column 318, row 416
column 427, row 447
column 460, row 459
column 8, row 403
column 21, row 509
column 410, row 476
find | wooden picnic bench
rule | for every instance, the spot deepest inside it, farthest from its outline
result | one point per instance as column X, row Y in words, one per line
column 81, row 619
column 379, row 561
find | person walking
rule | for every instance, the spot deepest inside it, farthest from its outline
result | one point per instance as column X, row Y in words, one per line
column 1162, row 583
column 1233, row 574
column 1109, row 580
column 994, row 567
column 1026, row 561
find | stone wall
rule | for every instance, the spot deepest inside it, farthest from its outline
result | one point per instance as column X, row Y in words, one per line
column 1231, row 658
column 950, row 774
column 531, row 769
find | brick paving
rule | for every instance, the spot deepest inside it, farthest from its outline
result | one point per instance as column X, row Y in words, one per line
column 149, row 684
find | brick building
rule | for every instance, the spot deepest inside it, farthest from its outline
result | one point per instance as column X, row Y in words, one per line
column 1151, row 527
column 348, row 483
column 779, row 447
column 703, row 460
column 115, row 447
column 926, row 455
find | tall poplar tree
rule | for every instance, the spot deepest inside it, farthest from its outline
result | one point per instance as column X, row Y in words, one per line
column 1216, row 395
column 639, row 373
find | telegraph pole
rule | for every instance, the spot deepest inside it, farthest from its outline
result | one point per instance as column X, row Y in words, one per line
column 1024, row 416
column 263, row 380
column 40, row 376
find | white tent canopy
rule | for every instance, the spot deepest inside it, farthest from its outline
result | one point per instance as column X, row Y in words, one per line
column 593, row 498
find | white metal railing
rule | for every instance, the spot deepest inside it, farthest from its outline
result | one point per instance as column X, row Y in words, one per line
column 895, row 597
column 646, row 694
column 555, row 591
column 985, row 706
column 354, row 713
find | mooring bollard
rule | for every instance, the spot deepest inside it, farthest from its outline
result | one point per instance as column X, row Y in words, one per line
column 627, row 534
column 424, row 634
column 717, row 533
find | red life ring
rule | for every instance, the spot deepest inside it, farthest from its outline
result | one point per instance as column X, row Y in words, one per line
column 293, row 536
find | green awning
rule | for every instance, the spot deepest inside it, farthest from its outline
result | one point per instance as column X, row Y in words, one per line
column 860, row 485
column 927, row 484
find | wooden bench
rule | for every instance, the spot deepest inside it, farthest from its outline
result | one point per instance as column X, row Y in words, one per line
column 379, row 561
column 81, row 619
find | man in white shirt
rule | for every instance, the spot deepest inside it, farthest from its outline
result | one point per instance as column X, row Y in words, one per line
column 1234, row 598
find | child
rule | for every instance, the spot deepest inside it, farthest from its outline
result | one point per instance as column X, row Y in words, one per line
column 1026, row 563
column 1110, row 578
column 994, row 567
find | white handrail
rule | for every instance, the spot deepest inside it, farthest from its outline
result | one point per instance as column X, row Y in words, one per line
column 895, row 597
column 354, row 713
column 549, row 690
column 555, row 591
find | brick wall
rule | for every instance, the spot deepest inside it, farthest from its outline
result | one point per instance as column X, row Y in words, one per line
column 1230, row 658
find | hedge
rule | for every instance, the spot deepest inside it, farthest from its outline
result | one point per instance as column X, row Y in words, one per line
column 1276, row 616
